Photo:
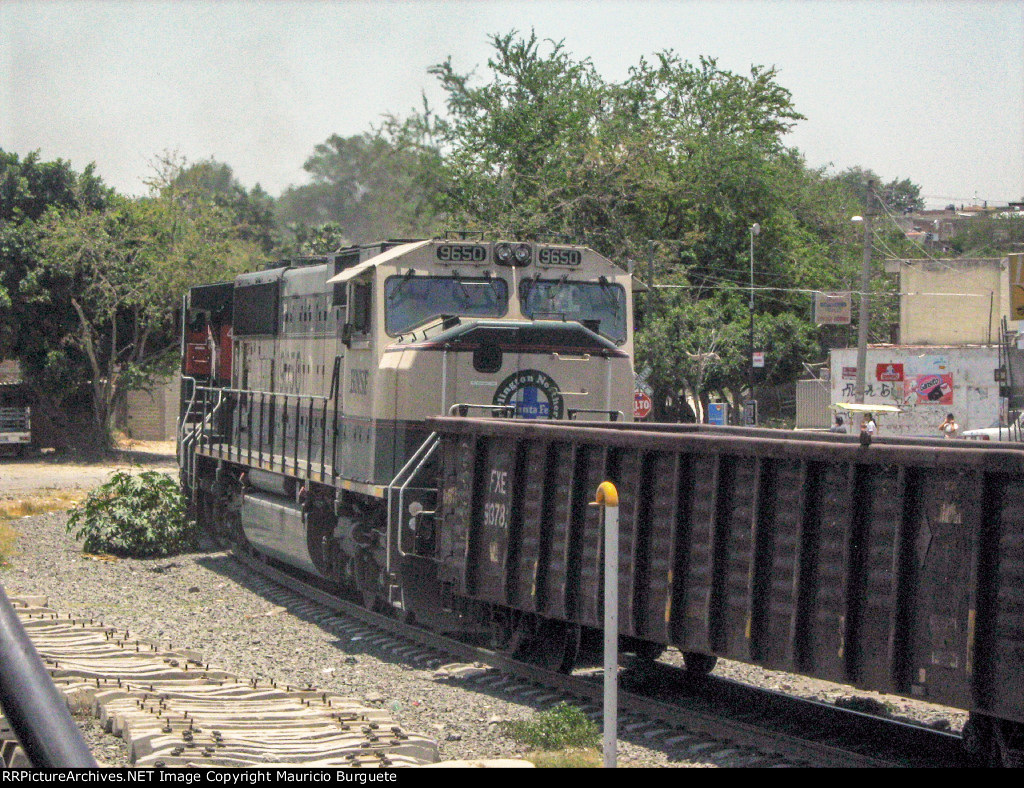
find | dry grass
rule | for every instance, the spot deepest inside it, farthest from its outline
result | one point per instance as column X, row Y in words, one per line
column 8, row 536
column 40, row 503
column 56, row 501
column 566, row 759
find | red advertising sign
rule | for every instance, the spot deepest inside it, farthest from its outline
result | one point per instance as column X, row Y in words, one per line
column 849, row 373
column 930, row 389
column 642, row 405
column 889, row 373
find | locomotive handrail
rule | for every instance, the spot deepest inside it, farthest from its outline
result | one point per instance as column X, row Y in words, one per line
column 461, row 408
column 412, row 467
column 37, row 711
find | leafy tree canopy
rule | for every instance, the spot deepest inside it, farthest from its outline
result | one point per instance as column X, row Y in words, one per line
column 380, row 184
column 669, row 169
column 99, row 283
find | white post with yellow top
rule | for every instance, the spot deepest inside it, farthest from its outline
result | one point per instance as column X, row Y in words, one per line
column 608, row 499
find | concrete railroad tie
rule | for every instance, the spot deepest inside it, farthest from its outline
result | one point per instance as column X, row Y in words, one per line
column 173, row 711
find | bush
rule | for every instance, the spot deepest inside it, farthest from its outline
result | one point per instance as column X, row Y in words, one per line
column 137, row 515
column 558, row 728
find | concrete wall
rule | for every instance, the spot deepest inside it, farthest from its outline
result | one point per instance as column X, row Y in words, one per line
column 952, row 302
column 152, row 415
column 927, row 382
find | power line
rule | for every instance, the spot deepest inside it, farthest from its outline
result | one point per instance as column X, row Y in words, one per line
column 731, row 286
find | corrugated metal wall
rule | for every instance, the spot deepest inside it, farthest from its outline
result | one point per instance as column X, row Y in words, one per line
column 812, row 401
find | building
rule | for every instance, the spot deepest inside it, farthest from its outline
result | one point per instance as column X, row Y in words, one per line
column 951, row 302
column 927, row 382
column 953, row 356
column 151, row 414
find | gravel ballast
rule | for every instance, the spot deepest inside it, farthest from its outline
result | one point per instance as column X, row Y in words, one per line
column 203, row 601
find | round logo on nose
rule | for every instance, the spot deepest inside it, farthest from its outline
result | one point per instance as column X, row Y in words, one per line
column 534, row 394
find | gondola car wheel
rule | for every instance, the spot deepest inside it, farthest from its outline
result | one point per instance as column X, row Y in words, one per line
column 699, row 663
column 557, row 644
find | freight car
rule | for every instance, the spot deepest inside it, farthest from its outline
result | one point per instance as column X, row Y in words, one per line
column 896, row 567
column 306, row 385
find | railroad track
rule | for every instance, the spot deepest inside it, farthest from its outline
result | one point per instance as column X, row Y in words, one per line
column 689, row 716
column 172, row 710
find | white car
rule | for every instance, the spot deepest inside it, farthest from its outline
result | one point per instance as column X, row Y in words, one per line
column 1014, row 432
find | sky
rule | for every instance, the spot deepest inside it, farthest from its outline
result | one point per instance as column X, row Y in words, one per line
column 928, row 90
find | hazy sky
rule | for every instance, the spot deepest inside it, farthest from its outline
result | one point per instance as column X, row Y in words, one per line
column 931, row 91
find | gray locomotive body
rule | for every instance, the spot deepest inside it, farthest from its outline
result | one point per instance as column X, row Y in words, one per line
column 306, row 390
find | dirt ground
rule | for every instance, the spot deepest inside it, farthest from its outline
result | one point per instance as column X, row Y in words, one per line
column 39, row 474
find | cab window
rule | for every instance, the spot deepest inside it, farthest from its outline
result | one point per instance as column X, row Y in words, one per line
column 412, row 301
column 600, row 306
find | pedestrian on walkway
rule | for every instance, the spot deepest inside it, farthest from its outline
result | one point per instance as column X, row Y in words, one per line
column 949, row 428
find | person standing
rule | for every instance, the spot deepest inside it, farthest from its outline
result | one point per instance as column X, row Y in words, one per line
column 868, row 425
column 949, row 428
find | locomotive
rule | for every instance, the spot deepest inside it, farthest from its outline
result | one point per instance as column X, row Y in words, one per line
column 306, row 387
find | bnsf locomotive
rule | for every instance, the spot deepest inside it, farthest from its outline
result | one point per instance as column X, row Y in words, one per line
column 306, row 387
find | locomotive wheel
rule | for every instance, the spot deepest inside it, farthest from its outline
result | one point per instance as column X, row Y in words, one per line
column 698, row 663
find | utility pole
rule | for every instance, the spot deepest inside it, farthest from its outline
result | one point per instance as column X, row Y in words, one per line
column 865, row 284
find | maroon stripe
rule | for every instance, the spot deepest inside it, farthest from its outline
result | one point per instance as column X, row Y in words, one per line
column 464, row 347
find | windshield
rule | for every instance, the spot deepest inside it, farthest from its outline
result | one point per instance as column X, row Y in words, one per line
column 600, row 306
column 411, row 301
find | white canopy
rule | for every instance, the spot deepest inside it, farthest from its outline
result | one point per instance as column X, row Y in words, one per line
column 856, row 407
column 383, row 257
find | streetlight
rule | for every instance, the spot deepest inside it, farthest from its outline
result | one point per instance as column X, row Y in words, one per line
column 755, row 229
column 862, row 324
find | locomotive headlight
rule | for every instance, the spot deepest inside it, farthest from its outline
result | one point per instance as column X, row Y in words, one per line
column 503, row 254
column 523, row 253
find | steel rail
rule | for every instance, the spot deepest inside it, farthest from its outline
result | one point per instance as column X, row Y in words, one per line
column 692, row 721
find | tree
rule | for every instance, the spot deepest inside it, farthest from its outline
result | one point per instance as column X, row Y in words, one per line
column 250, row 212
column 32, row 332
column 380, row 184
column 990, row 236
column 530, row 153
column 687, row 154
column 121, row 270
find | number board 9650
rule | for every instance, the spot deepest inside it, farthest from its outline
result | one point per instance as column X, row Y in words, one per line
column 553, row 255
column 462, row 253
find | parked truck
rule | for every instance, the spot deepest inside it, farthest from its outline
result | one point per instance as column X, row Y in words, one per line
column 15, row 420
